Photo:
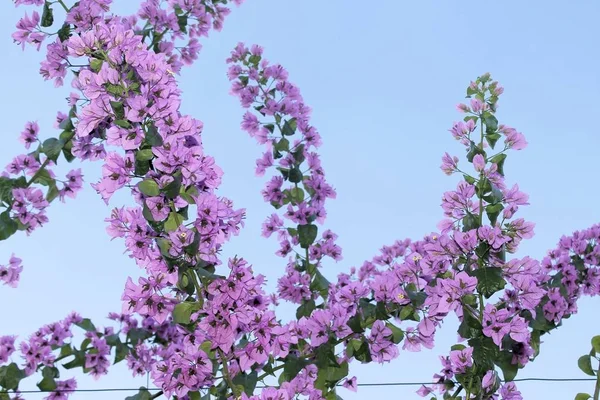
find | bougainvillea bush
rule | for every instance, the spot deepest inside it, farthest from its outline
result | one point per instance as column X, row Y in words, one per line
column 203, row 326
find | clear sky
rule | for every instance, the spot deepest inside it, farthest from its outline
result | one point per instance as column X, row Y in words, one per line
column 383, row 79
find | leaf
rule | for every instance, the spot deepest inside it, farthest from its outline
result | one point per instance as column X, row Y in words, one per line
column 153, row 137
column 182, row 21
column 397, row 333
column 582, row 396
column 53, row 193
column 305, row 309
column 6, row 186
column 123, row 123
column 489, row 280
column 96, row 66
column 173, row 222
column 47, row 16
column 43, row 178
column 596, row 344
column 289, row 127
column 470, row 221
column 52, row 148
column 10, row 376
column 144, row 155
column 509, row 370
column 247, row 381
column 473, row 151
column 320, row 284
column 484, row 353
column 585, row 364
column 297, row 194
column 282, row 145
column 149, row 187
column 499, row 161
column 64, row 33
column 183, row 312
column 492, row 138
column 171, row 190
column 307, row 235
column 143, row 394
column 86, row 324
column 121, row 352
column 295, row 175
column 48, row 383
column 491, row 123
column 492, row 211
column 7, row 226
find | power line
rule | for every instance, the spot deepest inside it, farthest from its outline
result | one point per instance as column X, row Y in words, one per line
column 359, row 384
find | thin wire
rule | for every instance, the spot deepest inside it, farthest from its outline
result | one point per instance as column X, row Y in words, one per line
column 359, row 384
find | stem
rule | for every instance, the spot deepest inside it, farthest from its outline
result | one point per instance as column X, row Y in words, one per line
column 597, row 390
column 226, row 375
column 194, row 278
column 156, row 395
column 457, row 391
column 67, row 9
column 481, row 176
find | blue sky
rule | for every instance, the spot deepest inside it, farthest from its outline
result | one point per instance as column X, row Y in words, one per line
column 383, row 79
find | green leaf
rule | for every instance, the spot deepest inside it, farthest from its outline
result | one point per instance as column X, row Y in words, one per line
column 320, row 284
column 499, row 161
column 6, row 186
column 492, row 138
column 7, row 226
column 53, row 193
column 121, row 352
column 10, row 376
column 123, row 123
column 489, row 280
column 297, row 194
column 153, row 137
column 247, row 381
column 282, row 145
column 491, row 123
column 149, row 187
column 295, row 175
column 485, row 352
column 596, row 344
column 183, row 312
column 582, row 396
column 43, row 178
column 397, row 333
column 289, row 127
column 96, row 65
column 509, row 370
column 143, row 394
column 173, row 222
column 144, row 155
column 87, row 325
column 48, row 383
column 172, row 189
column 585, row 364
column 64, row 33
column 52, row 148
column 493, row 211
column 118, row 108
column 307, row 235
column 305, row 309
column 182, row 21
column 470, row 221
column 47, row 16
column 474, row 150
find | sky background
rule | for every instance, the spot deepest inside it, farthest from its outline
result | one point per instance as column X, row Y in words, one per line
column 383, row 79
